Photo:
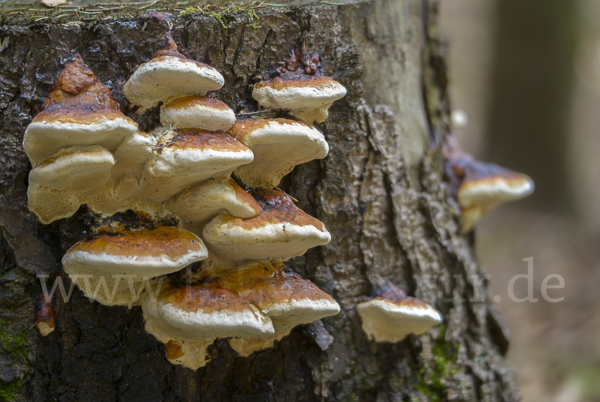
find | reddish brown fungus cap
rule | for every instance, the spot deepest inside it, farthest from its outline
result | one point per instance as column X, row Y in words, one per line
column 146, row 252
column 391, row 316
column 278, row 145
column 170, row 75
column 281, row 230
column 483, row 186
column 78, row 112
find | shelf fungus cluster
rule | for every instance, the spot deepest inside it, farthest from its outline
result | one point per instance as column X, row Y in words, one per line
column 84, row 151
column 72, row 143
column 391, row 316
column 481, row 186
column 253, row 304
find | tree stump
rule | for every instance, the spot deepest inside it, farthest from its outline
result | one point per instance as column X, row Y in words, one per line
column 382, row 193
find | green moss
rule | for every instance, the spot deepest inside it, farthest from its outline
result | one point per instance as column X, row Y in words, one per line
column 95, row 12
column 13, row 343
column 188, row 11
column 219, row 17
column 433, row 373
column 220, row 14
column 252, row 15
column 9, row 390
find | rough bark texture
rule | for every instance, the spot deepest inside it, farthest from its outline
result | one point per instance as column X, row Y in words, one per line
column 382, row 193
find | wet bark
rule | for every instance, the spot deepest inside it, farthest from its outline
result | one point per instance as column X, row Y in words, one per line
column 381, row 192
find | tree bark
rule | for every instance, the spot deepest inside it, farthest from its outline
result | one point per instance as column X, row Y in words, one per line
column 381, row 192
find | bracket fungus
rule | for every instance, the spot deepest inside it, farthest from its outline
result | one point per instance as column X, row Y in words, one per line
column 186, row 157
column 280, row 231
column 278, row 145
column 197, row 112
column 121, row 260
column 284, row 297
column 85, row 151
column 170, row 74
column 201, row 203
column 482, row 186
column 78, row 112
column 61, row 126
column 300, row 89
column 193, row 317
column 253, row 305
column 391, row 316
column 85, row 168
column 70, row 142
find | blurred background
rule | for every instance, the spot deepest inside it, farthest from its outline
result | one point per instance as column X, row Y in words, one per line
column 527, row 74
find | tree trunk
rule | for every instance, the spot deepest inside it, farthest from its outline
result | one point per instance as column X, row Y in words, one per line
column 381, row 192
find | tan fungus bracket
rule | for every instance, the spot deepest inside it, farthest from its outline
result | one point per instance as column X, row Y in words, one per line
column 170, row 75
column 391, row 316
column 482, row 186
column 201, row 203
column 300, row 90
column 281, row 231
column 189, row 319
column 187, row 157
column 194, row 111
column 110, row 267
column 278, row 145
column 284, row 297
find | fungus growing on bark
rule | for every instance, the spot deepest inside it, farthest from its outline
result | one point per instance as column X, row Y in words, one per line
column 198, row 204
column 70, row 142
column 188, row 319
column 300, row 89
column 197, row 112
column 44, row 316
column 56, row 184
column 391, row 316
column 91, row 154
column 482, row 186
column 278, row 145
column 254, row 305
column 186, row 157
column 124, row 259
column 280, row 231
column 170, row 75
column 78, row 112
column 76, row 169
column 284, row 297
column 60, row 127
